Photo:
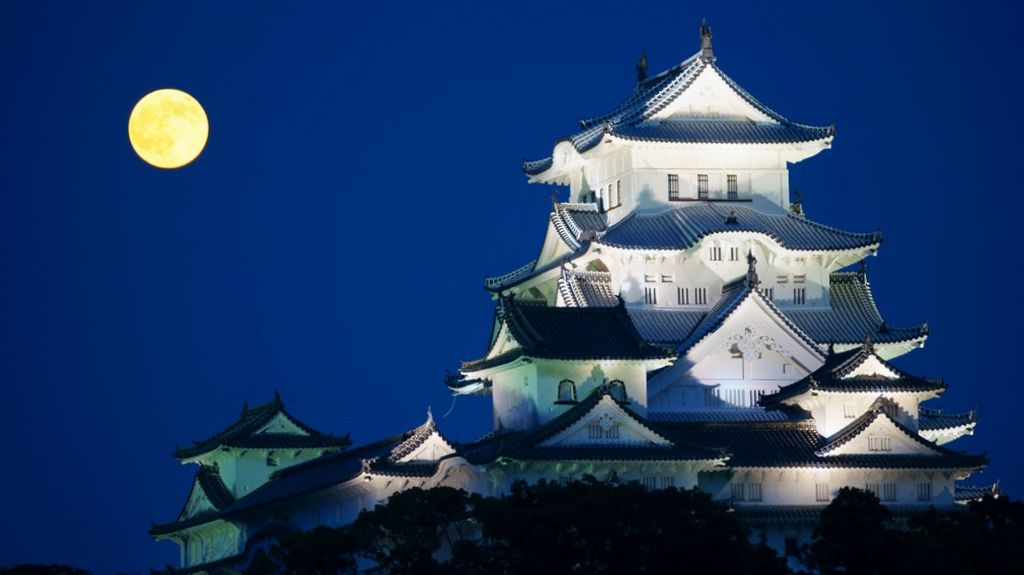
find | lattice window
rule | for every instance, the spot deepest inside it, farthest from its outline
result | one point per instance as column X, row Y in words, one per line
column 673, row 186
column 732, row 187
column 879, row 443
column 702, row 186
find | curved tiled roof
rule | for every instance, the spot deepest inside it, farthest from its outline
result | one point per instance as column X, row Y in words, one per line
column 936, row 420
column 852, row 315
column 832, row 377
column 587, row 289
column 684, row 227
column 631, row 118
column 243, row 433
column 568, row 333
column 209, row 481
column 722, row 131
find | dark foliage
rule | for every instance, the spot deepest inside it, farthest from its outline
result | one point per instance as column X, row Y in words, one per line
column 582, row 527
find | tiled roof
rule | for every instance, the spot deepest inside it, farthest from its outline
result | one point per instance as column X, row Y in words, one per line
column 655, row 93
column 574, row 222
column 569, row 333
column 380, row 457
column 732, row 296
column 965, row 493
column 665, row 326
column 723, row 131
column 684, row 227
column 587, row 289
column 795, row 444
column 242, row 433
column 527, row 446
column 209, row 481
column 935, row 419
column 832, row 377
column 740, row 415
column 852, row 315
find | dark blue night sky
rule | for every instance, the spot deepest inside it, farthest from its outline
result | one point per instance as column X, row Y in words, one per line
column 362, row 176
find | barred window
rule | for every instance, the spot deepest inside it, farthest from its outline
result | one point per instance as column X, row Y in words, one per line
column 673, row 186
column 651, row 295
column 768, row 293
column 650, row 483
column 821, row 492
column 799, row 296
column 700, row 295
column 889, row 492
column 739, row 492
column 683, row 296
column 849, row 410
column 702, row 186
column 879, row 443
column 875, row 488
column 924, row 491
column 734, row 254
column 666, row 482
column 732, row 187
column 754, row 492
column 716, row 253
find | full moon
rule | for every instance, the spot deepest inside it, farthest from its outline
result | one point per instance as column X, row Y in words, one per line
column 168, row 128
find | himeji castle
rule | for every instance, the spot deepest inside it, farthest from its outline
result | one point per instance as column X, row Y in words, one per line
column 684, row 324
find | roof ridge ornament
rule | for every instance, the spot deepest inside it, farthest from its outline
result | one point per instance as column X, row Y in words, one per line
column 751, row 279
column 641, row 67
column 705, row 41
column 796, row 206
column 869, row 344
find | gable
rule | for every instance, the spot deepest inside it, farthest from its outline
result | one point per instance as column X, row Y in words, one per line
column 752, row 329
column 870, row 367
column 606, row 424
column 883, row 436
column 281, row 424
column 710, row 96
column 503, row 342
column 434, row 447
column 197, row 502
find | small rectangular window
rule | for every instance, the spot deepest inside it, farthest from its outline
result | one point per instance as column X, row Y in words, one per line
column 799, row 296
column 667, row 278
column 924, row 491
column 702, row 186
column 849, row 411
column 700, row 295
column 716, row 253
column 618, row 193
column 734, row 254
column 799, row 279
column 821, row 492
column 683, row 296
column 651, row 295
column 673, row 186
column 768, row 293
column 888, row 492
column 564, row 479
column 732, row 187
column 650, row 483
column 781, row 279
column 666, row 482
column 739, row 492
column 875, row 488
column 650, row 278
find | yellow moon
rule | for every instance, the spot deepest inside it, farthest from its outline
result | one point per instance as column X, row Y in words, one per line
column 168, row 128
